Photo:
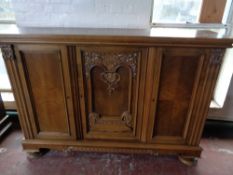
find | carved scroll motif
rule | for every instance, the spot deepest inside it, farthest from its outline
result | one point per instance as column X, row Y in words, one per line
column 7, row 51
column 216, row 56
column 126, row 117
column 93, row 117
column 111, row 62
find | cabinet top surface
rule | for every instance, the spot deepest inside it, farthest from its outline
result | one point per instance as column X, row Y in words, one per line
column 10, row 33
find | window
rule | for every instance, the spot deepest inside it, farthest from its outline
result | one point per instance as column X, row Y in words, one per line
column 6, row 12
column 191, row 12
column 5, row 87
column 228, row 12
column 176, row 11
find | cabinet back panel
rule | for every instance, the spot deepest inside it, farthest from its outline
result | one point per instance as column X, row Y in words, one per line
column 45, row 76
column 176, row 84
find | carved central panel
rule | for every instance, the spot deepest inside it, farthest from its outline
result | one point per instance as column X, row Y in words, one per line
column 111, row 84
column 110, row 62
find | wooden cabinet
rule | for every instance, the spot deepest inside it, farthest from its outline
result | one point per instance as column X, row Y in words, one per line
column 44, row 74
column 113, row 93
column 111, row 83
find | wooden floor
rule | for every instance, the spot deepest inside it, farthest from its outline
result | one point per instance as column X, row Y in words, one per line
column 217, row 159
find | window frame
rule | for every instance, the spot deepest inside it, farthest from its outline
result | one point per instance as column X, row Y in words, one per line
column 195, row 25
column 8, row 21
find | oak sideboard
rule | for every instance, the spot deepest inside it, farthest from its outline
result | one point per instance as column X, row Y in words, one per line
column 113, row 90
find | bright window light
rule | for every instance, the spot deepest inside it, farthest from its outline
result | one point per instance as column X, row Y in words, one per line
column 7, row 96
column 6, row 12
column 4, row 80
column 227, row 11
column 176, row 11
column 223, row 82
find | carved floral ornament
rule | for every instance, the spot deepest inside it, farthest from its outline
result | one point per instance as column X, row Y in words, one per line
column 111, row 62
column 7, row 51
column 111, row 79
column 217, row 55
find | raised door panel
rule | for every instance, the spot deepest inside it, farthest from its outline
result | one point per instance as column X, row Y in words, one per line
column 176, row 75
column 45, row 76
column 111, row 83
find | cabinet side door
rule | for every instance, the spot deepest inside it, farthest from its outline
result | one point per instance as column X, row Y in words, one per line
column 44, row 73
column 176, row 74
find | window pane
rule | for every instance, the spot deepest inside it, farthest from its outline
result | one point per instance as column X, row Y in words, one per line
column 4, row 80
column 7, row 96
column 227, row 12
column 176, row 11
column 6, row 12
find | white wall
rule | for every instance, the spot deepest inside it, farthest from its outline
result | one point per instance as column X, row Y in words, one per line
column 83, row 13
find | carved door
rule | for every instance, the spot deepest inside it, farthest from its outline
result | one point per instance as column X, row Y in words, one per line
column 111, row 84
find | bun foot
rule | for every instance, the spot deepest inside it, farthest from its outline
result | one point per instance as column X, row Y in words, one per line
column 188, row 160
column 37, row 153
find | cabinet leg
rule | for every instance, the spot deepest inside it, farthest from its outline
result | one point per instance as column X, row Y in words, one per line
column 188, row 160
column 36, row 153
